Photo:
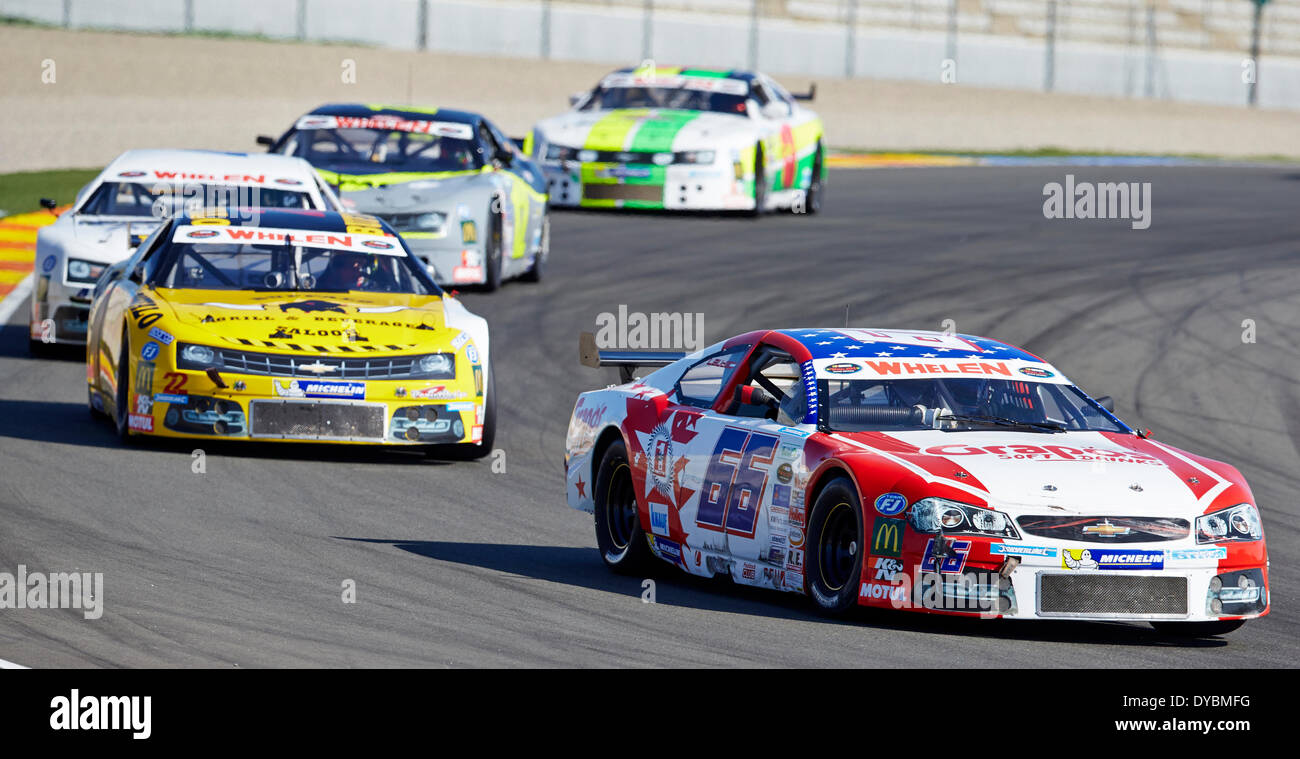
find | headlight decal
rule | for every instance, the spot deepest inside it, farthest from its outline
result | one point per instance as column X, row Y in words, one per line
column 1235, row 524
column 930, row 515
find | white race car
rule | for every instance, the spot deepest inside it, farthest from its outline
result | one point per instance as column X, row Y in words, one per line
column 684, row 139
column 126, row 202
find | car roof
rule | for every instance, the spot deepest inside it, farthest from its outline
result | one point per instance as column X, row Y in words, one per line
column 414, row 113
column 287, row 218
column 745, row 76
column 866, row 342
column 210, row 165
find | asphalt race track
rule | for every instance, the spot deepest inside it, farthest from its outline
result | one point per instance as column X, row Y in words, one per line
column 242, row 566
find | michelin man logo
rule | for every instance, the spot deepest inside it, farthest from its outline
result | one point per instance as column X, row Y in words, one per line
column 1078, row 559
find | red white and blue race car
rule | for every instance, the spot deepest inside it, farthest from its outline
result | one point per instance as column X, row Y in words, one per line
column 906, row 469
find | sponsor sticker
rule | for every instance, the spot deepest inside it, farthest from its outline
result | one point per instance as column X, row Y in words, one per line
column 150, row 351
column 890, row 504
column 1011, row 549
column 1110, row 558
column 460, row 339
column 319, row 389
column 883, row 592
column 140, row 422
column 668, row 549
column 48, row 264
column 843, row 367
column 1198, row 554
column 887, row 537
column 472, row 354
column 171, row 398
column 1034, row 371
column 784, row 473
column 437, row 393
column 659, row 519
column 161, row 335
column 887, row 569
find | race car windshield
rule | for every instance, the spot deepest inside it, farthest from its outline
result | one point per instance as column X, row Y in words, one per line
column 278, row 267
column 959, row 404
column 367, row 150
column 681, row 98
column 163, row 199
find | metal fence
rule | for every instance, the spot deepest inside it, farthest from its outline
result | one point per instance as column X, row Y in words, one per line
column 1199, row 50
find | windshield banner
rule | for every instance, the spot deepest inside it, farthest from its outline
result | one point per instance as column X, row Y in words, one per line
column 1018, row 370
column 222, row 235
column 700, row 83
column 390, row 123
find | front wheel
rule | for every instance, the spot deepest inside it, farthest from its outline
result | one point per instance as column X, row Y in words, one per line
column 1197, row 629
column 835, row 548
column 122, row 399
column 493, row 252
column 760, row 183
column 619, row 536
column 816, row 185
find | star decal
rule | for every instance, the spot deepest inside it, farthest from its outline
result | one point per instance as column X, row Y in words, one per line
column 838, row 355
column 582, row 488
column 886, row 355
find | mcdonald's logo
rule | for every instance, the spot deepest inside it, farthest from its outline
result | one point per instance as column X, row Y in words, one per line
column 887, row 537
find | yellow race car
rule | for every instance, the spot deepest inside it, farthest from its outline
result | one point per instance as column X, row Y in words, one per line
column 297, row 326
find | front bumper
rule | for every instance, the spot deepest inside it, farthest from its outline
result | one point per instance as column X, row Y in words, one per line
column 453, row 262
column 1173, row 587
column 60, row 311
column 255, row 407
column 677, row 187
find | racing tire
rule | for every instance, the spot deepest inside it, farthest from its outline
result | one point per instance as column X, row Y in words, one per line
column 835, row 548
column 1197, row 629
column 493, row 254
column 534, row 273
column 760, row 184
column 816, row 186
column 122, row 397
column 474, row 451
column 619, row 537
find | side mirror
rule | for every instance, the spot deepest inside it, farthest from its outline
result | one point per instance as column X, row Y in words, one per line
column 49, row 204
column 577, row 97
column 504, row 157
column 137, row 274
column 1106, row 402
column 775, row 110
column 266, row 140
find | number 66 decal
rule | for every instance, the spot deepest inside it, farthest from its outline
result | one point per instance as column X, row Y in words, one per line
column 734, row 482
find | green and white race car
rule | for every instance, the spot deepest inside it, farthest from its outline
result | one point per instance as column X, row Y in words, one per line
column 684, row 139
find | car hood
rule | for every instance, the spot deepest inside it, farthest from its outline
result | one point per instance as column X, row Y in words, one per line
column 103, row 239
column 1086, row 473
column 333, row 322
column 429, row 194
column 643, row 129
column 353, row 181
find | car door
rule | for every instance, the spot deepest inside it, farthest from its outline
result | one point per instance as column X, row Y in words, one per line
column 522, row 179
column 713, row 465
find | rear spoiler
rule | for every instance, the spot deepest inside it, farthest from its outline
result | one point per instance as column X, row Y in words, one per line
column 809, row 95
column 627, row 361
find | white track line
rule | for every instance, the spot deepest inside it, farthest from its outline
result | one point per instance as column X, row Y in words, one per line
column 14, row 299
column 10, row 665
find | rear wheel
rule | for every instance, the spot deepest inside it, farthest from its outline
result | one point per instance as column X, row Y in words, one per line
column 1197, row 629
column 619, row 536
column 534, row 273
column 835, row 547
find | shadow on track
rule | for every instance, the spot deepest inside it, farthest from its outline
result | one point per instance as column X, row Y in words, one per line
column 582, row 567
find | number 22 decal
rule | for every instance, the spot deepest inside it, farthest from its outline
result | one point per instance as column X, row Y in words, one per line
column 175, row 382
column 734, row 483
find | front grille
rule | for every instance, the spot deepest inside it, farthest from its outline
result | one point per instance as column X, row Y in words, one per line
column 1096, row 529
column 320, row 420
column 375, row 368
column 651, row 192
column 1111, row 595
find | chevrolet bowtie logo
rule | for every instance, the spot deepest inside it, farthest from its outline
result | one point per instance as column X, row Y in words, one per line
column 1105, row 529
column 318, row 368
